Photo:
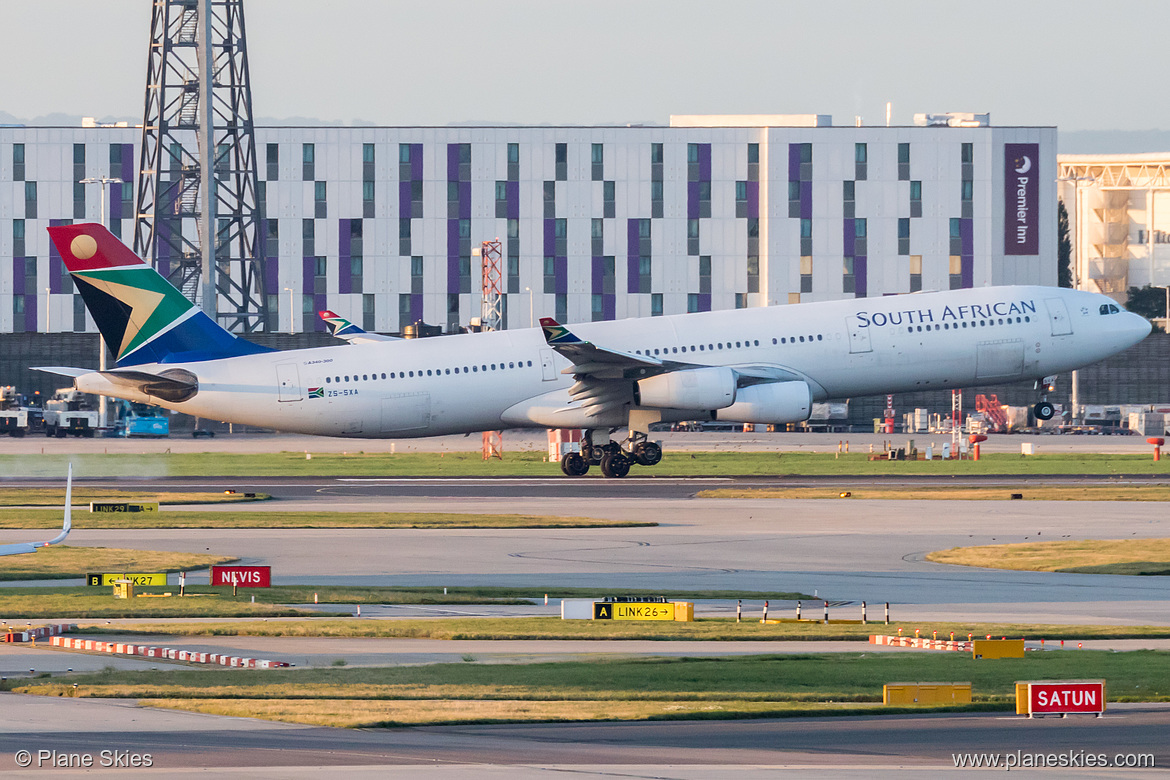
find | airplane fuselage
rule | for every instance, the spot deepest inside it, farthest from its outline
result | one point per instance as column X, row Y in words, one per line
column 488, row 381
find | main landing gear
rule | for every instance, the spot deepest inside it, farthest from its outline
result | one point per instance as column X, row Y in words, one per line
column 614, row 459
column 1045, row 410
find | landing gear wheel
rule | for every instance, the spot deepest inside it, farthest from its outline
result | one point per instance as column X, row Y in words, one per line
column 574, row 465
column 615, row 464
column 1044, row 410
column 647, row 453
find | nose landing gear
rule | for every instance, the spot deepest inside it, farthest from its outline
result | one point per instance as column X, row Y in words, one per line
column 1045, row 410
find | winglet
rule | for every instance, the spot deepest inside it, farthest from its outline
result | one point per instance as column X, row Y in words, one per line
column 31, row 547
column 67, row 526
column 557, row 334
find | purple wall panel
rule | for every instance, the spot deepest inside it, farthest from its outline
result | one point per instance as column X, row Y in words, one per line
column 692, row 200
column 704, row 162
column 403, row 199
column 849, row 237
column 452, row 162
column 127, row 174
column 416, row 162
column 320, row 303
column 806, row 200
column 550, row 237
column 561, row 269
column 272, row 276
column 967, row 260
column 452, row 256
column 308, row 269
column 416, row 308
column 465, row 200
column 56, row 265
column 860, row 277
column 18, row 276
column 967, row 268
column 115, row 204
column 30, row 312
column 632, row 249
column 753, row 200
column 598, row 275
column 513, row 191
column 793, row 162
column 704, row 301
column 609, row 306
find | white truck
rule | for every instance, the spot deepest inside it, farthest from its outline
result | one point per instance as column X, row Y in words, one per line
column 70, row 411
column 13, row 419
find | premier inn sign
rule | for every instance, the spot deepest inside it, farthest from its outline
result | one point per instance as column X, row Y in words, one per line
column 1021, row 199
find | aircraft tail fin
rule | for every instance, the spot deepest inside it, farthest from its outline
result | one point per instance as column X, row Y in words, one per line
column 142, row 317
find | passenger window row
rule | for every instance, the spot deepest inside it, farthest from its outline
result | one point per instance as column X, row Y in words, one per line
column 973, row 324
column 431, row 372
column 701, row 347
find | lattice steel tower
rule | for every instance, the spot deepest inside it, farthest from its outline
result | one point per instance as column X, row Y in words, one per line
column 199, row 224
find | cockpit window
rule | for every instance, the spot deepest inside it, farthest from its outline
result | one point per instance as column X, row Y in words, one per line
column 1109, row 308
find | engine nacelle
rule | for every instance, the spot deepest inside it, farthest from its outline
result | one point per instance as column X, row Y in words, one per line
column 777, row 402
column 701, row 389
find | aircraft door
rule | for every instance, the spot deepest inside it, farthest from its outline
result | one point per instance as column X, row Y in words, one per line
column 1058, row 316
column 548, row 371
column 289, row 381
column 858, row 335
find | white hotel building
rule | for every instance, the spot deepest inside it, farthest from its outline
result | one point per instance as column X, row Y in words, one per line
column 378, row 223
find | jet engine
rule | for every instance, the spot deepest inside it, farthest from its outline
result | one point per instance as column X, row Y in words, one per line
column 776, row 402
column 700, row 389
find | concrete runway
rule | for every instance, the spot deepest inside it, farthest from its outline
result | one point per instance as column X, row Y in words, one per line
column 839, row 549
column 843, row 746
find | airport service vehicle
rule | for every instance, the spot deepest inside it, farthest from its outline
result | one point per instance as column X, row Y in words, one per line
column 13, row 417
column 70, row 412
column 28, row 547
column 761, row 365
column 141, row 420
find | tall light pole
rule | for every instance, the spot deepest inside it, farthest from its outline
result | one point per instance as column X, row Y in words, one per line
column 531, row 315
column 103, row 408
column 292, row 314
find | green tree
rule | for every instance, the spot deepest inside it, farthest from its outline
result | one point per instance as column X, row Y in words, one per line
column 1150, row 302
column 1063, row 247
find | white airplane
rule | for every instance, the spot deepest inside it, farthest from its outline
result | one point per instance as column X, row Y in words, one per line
column 28, row 547
column 761, row 365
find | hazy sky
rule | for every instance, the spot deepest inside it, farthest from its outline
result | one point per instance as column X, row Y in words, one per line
column 1075, row 64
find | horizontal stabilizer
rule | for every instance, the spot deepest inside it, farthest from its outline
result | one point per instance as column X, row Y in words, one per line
column 62, row 370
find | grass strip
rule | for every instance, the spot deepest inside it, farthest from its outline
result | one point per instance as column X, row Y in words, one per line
column 65, row 562
column 812, row 677
column 535, row 463
column 717, row 629
column 46, row 518
column 948, row 493
column 350, row 713
column 613, row 689
column 82, row 496
column 1082, row 556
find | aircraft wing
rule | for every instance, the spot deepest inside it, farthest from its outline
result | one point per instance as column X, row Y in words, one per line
column 588, row 359
column 344, row 329
column 66, row 527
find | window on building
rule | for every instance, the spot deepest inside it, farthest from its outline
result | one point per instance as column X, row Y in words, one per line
column 308, row 162
column 655, row 304
column 18, row 162
column 320, row 198
column 915, row 273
